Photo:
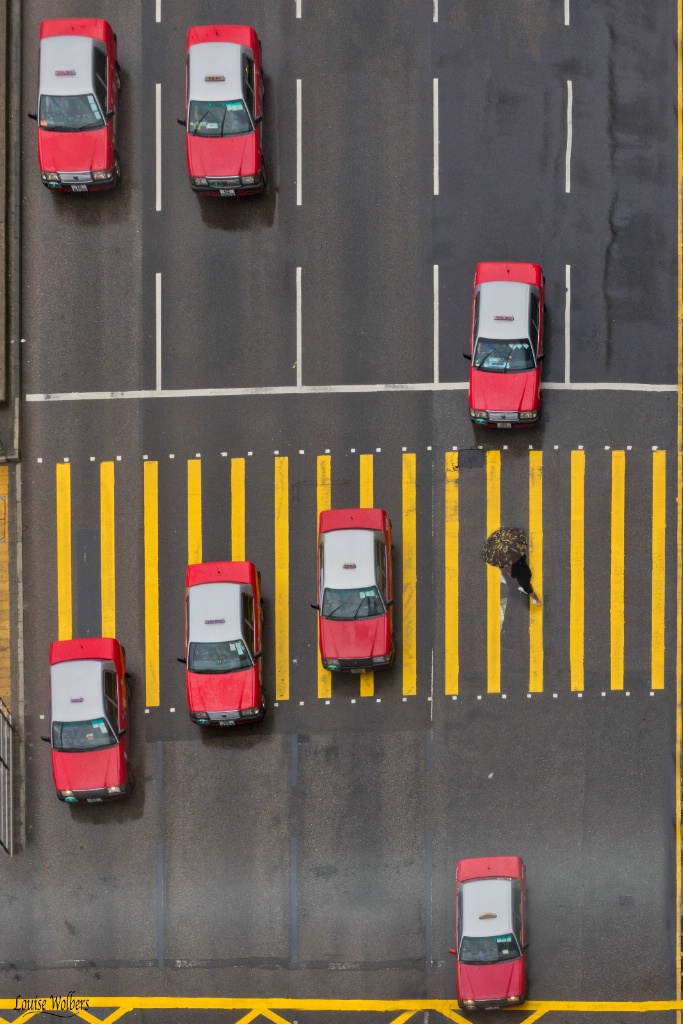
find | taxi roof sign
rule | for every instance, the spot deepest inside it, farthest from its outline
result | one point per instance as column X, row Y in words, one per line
column 61, row 74
column 214, row 78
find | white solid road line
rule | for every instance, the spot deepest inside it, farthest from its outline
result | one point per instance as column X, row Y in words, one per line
column 158, row 331
column 436, row 136
column 298, row 8
column 298, row 142
column 158, row 11
column 299, row 367
column 320, row 389
column 158, row 146
column 567, row 315
column 566, row 12
column 436, row 323
column 568, row 158
column 435, row 15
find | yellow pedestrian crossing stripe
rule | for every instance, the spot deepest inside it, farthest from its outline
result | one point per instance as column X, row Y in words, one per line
column 434, row 657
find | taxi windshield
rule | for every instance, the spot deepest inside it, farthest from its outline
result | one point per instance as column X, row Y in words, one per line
column 230, row 656
column 488, row 950
column 77, row 737
column 219, row 118
column 70, row 113
column 503, row 356
column 348, row 605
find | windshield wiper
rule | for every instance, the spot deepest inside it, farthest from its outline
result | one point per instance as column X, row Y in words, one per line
column 200, row 119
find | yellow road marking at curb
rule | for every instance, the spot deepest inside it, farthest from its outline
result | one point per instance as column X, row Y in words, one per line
column 151, row 502
column 576, row 570
column 282, row 578
column 107, row 549
column 536, row 563
column 64, row 594
column 238, row 529
column 658, row 567
column 409, row 512
column 492, row 575
column 367, row 497
column 194, row 511
column 5, row 607
column 451, row 567
column 617, row 571
column 323, row 503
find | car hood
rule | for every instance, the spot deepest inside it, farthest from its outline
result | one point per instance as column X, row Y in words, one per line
column 364, row 638
column 231, row 691
column 491, row 982
column 74, row 151
column 222, row 158
column 505, row 392
column 93, row 769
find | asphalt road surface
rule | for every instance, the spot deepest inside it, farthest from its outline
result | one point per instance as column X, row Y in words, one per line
column 314, row 855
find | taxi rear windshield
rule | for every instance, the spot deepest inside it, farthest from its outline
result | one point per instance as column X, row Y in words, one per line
column 503, row 356
column 70, row 113
column 218, row 119
column 77, row 737
column 230, row 656
column 348, row 605
column 489, row 950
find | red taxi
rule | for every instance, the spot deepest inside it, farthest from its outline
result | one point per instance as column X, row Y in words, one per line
column 224, row 110
column 506, row 345
column 355, row 590
column 78, row 89
column 223, row 635
column 89, row 720
column 490, row 932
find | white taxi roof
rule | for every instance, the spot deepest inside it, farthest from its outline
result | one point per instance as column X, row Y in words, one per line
column 483, row 898
column 215, row 613
column 215, row 60
column 66, row 54
column 349, row 559
column 508, row 299
column 77, row 689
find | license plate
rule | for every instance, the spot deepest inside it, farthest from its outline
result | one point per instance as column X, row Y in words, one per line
column 79, row 188
column 94, row 800
column 503, row 426
column 227, row 191
column 226, row 724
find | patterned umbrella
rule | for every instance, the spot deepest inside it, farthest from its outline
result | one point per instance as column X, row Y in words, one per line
column 504, row 546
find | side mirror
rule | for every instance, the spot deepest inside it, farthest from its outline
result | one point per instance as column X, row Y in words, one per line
column 110, row 114
column 257, row 120
column 183, row 661
column 257, row 655
column 122, row 732
column 389, row 603
column 466, row 355
column 34, row 117
column 45, row 738
column 316, row 607
column 525, row 946
column 181, row 121
column 542, row 356
column 453, row 951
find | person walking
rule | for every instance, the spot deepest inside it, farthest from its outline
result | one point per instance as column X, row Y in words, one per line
column 519, row 570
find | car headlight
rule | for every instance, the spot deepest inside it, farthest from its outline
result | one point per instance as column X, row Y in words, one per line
column 113, row 790
column 250, row 712
column 512, row 999
column 68, row 795
column 528, row 415
column 333, row 666
column 50, row 176
column 469, row 1003
column 480, row 414
column 249, row 179
column 384, row 660
column 200, row 719
column 200, row 181
column 103, row 175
